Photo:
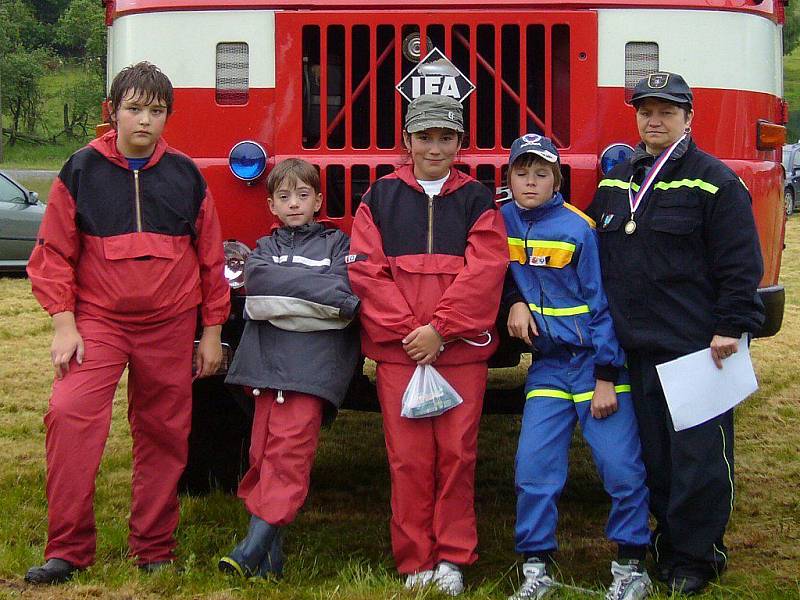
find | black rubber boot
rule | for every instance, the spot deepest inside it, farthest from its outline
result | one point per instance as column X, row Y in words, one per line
column 53, row 571
column 245, row 559
column 272, row 564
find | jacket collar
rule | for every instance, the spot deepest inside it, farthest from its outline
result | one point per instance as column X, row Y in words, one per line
column 107, row 146
column 456, row 179
column 642, row 157
column 309, row 229
column 532, row 214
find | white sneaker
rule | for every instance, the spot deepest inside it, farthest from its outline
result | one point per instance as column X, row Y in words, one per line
column 448, row 578
column 419, row 579
column 631, row 582
column 538, row 584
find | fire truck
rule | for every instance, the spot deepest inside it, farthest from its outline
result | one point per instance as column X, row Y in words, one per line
column 257, row 81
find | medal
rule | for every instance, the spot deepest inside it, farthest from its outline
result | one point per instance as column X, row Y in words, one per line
column 648, row 182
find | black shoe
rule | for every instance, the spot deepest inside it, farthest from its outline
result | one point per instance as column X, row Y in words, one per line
column 155, row 567
column 272, row 564
column 246, row 558
column 663, row 570
column 687, row 582
column 53, row 571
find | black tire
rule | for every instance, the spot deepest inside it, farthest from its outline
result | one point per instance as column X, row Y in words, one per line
column 788, row 201
column 219, row 440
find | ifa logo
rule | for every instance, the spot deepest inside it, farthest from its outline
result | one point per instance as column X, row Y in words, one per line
column 435, row 74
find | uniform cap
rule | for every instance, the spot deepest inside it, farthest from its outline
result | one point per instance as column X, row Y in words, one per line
column 666, row 86
column 533, row 143
column 430, row 110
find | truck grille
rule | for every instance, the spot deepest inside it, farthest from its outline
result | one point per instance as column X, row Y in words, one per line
column 520, row 63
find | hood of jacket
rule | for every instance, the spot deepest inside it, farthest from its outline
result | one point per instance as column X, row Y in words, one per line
column 107, row 146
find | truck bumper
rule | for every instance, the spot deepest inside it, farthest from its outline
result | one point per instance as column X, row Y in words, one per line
column 773, row 298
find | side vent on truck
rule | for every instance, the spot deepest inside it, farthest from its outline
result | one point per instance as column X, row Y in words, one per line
column 641, row 59
column 233, row 73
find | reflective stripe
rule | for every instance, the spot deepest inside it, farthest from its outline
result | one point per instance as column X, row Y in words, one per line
column 582, row 397
column 662, row 185
column 618, row 183
column 567, row 311
column 545, row 393
column 542, row 244
column 690, row 183
column 730, row 475
column 556, row 254
column 581, row 214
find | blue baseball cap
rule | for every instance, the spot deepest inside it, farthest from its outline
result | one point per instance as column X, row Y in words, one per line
column 533, row 143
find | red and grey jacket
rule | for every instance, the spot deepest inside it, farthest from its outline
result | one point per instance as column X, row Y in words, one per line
column 416, row 260
column 137, row 246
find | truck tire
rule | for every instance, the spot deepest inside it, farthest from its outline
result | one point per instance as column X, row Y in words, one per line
column 219, row 440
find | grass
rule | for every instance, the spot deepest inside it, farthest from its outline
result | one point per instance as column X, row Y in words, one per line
column 339, row 547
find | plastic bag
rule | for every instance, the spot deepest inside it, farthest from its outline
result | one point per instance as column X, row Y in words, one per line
column 428, row 394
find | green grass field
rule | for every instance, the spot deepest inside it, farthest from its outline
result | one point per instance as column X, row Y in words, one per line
column 339, row 546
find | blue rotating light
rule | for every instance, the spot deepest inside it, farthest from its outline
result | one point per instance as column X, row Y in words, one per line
column 613, row 155
column 247, row 160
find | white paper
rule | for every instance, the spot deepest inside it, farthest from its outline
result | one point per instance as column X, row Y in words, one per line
column 696, row 390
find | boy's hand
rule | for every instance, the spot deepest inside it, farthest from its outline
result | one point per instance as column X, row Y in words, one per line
column 521, row 323
column 209, row 351
column 604, row 400
column 66, row 343
column 723, row 347
column 423, row 345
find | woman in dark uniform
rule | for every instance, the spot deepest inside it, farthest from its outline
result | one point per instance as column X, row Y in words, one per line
column 681, row 264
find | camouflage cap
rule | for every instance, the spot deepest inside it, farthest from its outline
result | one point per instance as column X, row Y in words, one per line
column 431, row 110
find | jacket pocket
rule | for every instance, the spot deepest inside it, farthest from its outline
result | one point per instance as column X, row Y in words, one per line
column 675, row 247
column 423, row 279
column 141, row 246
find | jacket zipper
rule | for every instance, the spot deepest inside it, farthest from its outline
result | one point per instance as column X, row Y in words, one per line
column 138, row 203
column 430, row 224
column 541, row 287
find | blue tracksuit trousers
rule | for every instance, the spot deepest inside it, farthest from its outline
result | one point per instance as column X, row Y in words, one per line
column 558, row 392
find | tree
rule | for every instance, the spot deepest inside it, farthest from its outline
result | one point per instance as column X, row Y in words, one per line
column 81, row 29
column 791, row 28
column 21, row 74
column 82, row 99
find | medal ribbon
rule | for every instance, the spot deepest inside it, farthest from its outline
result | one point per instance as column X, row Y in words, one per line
column 651, row 176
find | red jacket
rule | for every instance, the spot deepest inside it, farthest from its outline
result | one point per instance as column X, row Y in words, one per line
column 137, row 246
column 415, row 260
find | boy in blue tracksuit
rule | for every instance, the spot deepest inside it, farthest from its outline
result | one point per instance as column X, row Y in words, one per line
column 558, row 306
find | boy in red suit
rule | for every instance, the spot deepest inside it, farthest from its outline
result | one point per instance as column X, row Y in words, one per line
column 129, row 250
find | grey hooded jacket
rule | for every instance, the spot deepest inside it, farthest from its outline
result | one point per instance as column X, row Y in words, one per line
column 298, row 334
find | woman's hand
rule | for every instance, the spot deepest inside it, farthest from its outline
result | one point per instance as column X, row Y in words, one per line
column 521, row 323
column 209, row 352
column 604, row 399
column 67, row 342
column 723, row 347
column 423, row 345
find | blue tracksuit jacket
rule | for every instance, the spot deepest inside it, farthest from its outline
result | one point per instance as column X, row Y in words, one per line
column 564, row 289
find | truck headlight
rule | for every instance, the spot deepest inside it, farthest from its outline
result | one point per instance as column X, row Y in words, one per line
column 235, row 254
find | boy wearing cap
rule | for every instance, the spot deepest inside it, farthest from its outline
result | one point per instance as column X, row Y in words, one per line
column 428, row 257
column 559, row 308
column 681, row 264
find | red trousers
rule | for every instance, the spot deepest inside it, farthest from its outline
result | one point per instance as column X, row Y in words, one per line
column 282, row 447
column 159, row 359
column 432, row 467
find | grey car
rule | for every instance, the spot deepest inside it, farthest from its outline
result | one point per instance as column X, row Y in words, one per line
column 791, row 171
column 20, row 216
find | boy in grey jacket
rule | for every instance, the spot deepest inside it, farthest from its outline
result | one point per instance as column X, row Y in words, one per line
column 298, row 352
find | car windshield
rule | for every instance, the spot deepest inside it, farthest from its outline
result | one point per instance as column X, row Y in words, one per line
column 10, row 192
